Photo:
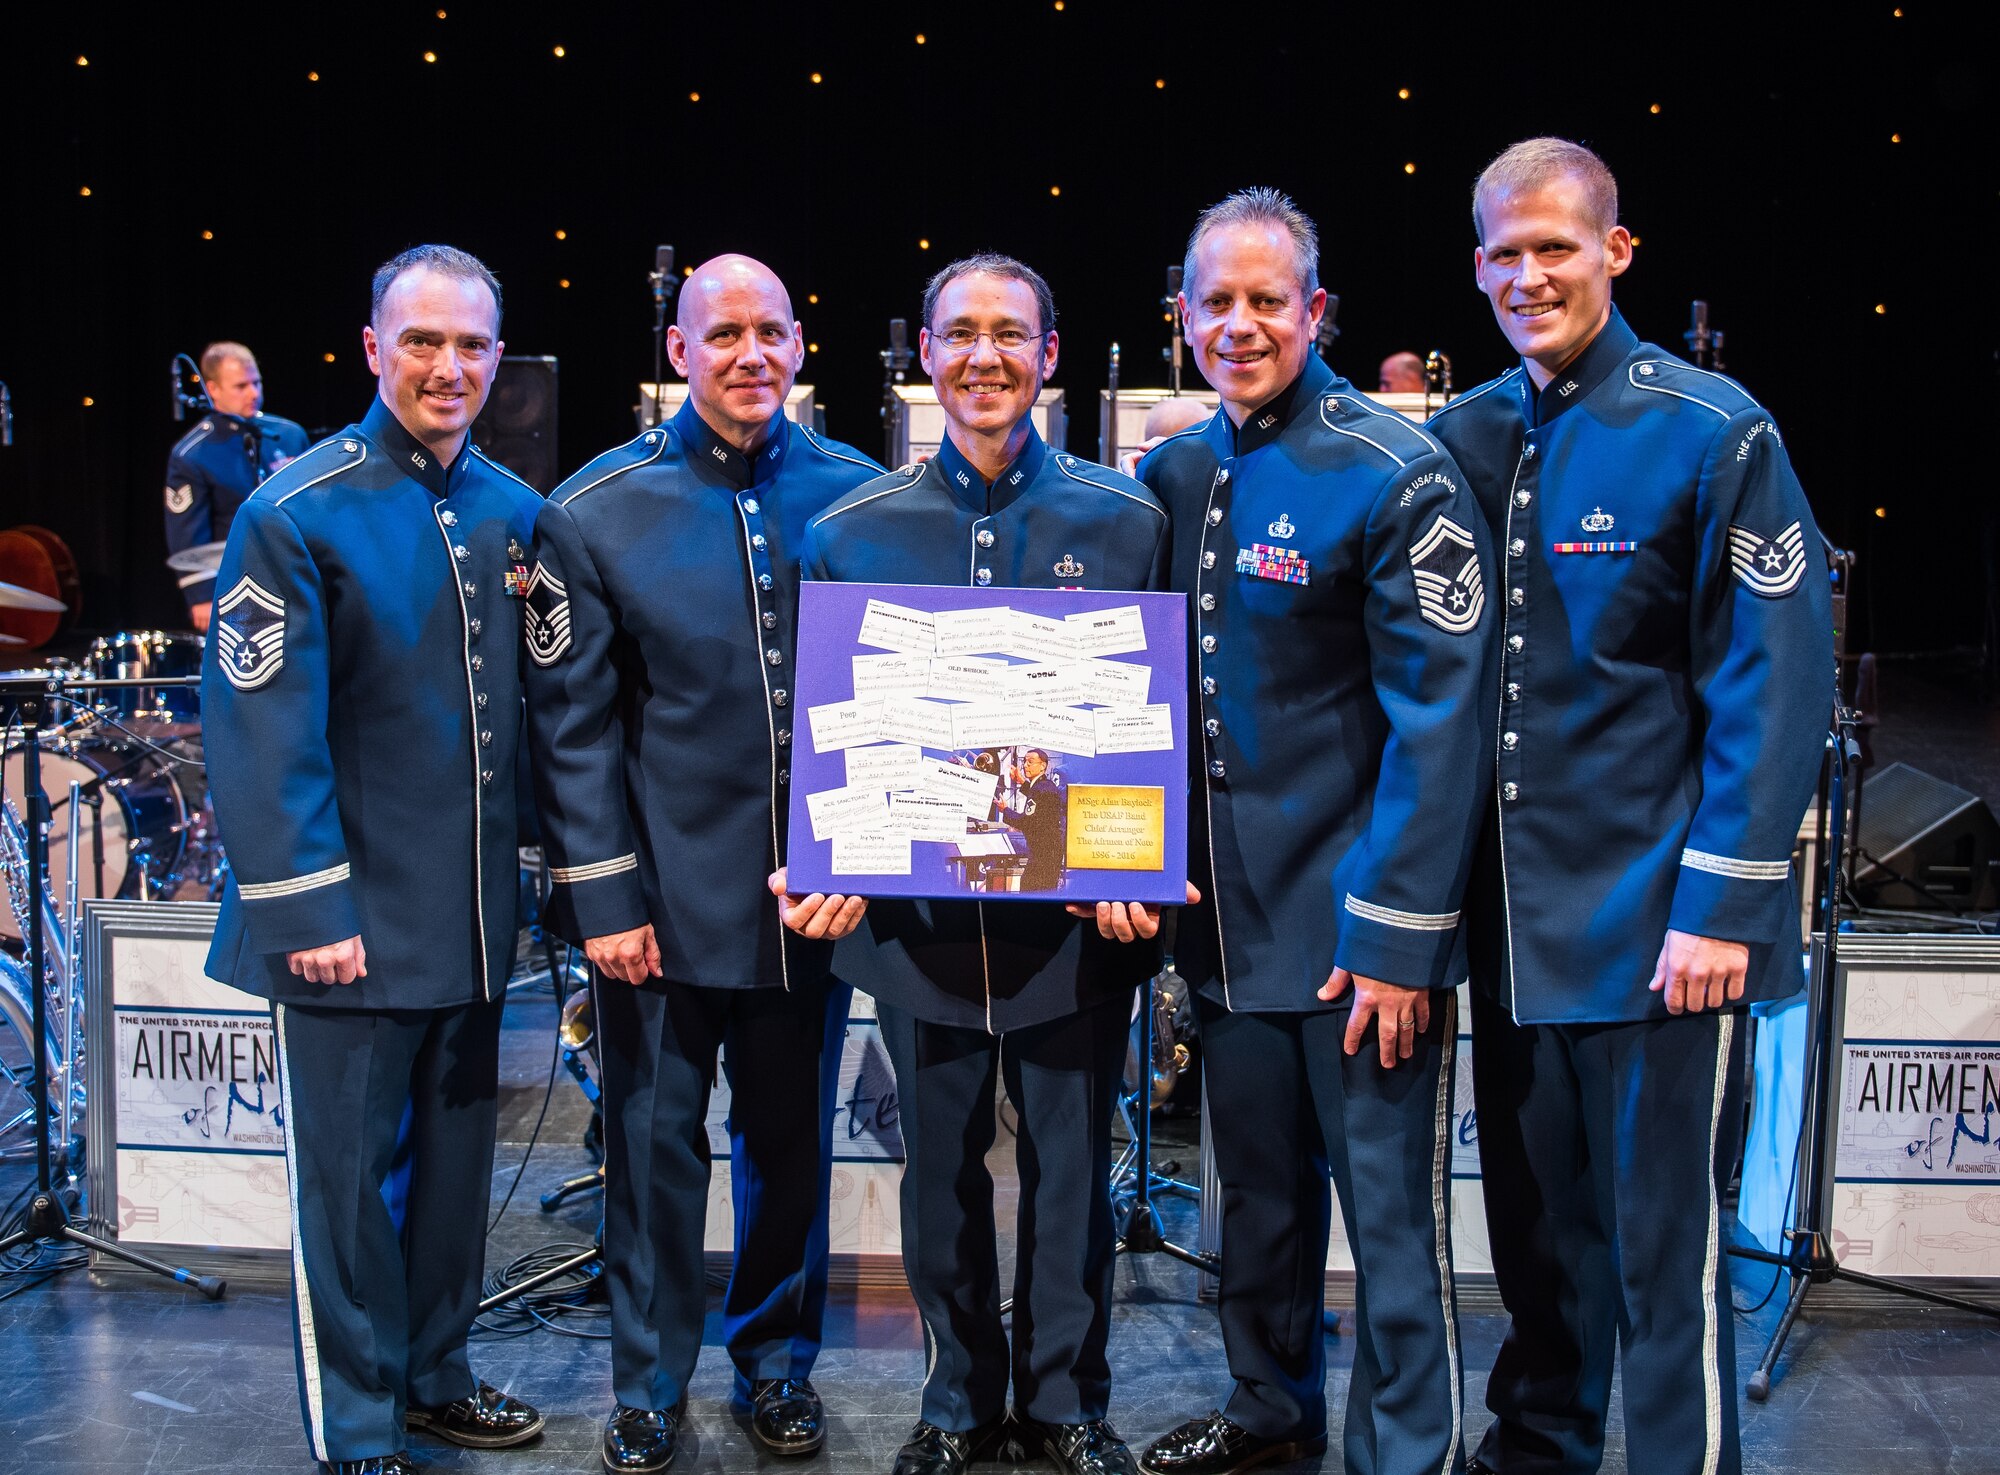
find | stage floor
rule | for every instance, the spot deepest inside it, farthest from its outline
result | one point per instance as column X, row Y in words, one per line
column 118, row 1375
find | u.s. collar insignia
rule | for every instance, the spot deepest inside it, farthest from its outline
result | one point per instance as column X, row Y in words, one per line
column 1771, row 567
column 1283, row 528
column 545, row 618
column 1599, row 521
column 1069, row 568
column 250, row 634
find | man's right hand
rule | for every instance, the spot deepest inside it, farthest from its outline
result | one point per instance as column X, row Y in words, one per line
column 629, row 957
column 1130, row 457
column 199, row 613
column 339, row 962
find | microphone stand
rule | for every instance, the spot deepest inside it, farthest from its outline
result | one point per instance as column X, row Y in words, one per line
column 47, row 1221
column 1704, row 343
column 1329, row 327
column 895, row 368
column 662, row 279
column 1109, row 455
column 1172, row 354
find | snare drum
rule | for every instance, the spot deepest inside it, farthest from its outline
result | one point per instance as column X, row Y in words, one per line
column 143, row 822
column 157, row 711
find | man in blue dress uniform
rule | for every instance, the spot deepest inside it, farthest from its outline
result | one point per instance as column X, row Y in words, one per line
column 660, row 623
column 362, row 695
column 1666, row 679
column 953, row 980
column 216, row 466
column 1343, row 642
column 1040, row 811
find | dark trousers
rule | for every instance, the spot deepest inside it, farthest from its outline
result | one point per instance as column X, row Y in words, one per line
column 1604, row 1150
column 380, row 1316
column 1287, row 1107
column 1062, row 1077
column 781, row 1053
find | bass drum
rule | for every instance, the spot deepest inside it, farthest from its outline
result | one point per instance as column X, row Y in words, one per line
column 144, row 821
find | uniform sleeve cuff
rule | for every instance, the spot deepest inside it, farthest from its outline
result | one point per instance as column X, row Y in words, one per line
column 1405, row 957
column 597, row 900
column 300, row 912
column 1736, row 901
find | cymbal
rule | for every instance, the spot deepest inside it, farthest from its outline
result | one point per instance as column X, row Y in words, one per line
column 13, row 596
column 202, row 558
column 6, row 639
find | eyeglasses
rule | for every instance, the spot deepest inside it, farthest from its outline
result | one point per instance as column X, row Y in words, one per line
column 956, row 341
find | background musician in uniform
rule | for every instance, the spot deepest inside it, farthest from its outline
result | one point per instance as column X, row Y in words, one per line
column 362, row 696
column 1666, row 680
column 661, row 614
column 1342, row 648
column 221, row 461
column 970, row 992
column 1400, row 373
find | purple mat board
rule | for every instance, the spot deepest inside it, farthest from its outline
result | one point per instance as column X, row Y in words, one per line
column 886, row 702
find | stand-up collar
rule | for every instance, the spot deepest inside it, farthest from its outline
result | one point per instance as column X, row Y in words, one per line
column 411, row 456
column 716, row 460
column 1268, row 421
column 1610, row 348
column 973, row 490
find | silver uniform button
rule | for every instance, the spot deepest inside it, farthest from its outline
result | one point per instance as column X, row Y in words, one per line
column 770, row 619
column 763, row 581
column 983, row 576
column 775, row 656
column 486, row 776
column 1513, row 691
column 480, row 701
column 475, row 625
column 750, row 506
column 1217, row 768
column 1523, row 498
column 349, row 446
column 471, row 589
column 1510, row 792
column 1208, row 686
column 1515, row 642
column 1517, row 547
column 1208, row 645
column 652, row 437
column 1208, row 601
column 461, row 553
column 1214, row 516
column 448, row 518
column 985, row 537
column 780, row 697
column 479, row 663
column 485, row 739
column 784, row 737
column 1510, row 740
column 759, row 542
column 1529, row 450
column 1208, row 559
column 1212, row 728
column 784, row 775
column 1516, row 597
column 1222, row 475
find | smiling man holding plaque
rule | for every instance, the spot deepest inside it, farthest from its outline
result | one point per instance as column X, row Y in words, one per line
column 996, row 507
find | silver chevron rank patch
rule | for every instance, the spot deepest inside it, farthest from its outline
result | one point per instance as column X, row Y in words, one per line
column 546, row 619
column 1451, row 592
column 1772, row 567
column 250, row 634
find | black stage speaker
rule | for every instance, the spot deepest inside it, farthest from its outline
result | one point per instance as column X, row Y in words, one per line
column 518, row 426
column 1924, row 830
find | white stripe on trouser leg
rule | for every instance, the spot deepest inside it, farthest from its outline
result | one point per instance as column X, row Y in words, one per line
column 1711, row 1371
column 1441, row 1216
column 301, row 1293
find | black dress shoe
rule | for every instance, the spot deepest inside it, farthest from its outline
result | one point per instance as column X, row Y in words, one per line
column 1091, row 1448
column 1221, row 1446
column 489, row 1419
column 935, row 1451
column 642, row 1439
column 786, row 1416
column 395, row 1464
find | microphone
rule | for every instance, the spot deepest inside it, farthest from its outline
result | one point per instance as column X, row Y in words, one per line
column 1173, row 285
column 174, row 397
column 1329, row 329
column 662, row 276
column 1698, row 337
column 899, row 344
column 6, row 415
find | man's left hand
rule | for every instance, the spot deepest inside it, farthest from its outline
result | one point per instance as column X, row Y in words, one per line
column 1699, row 973
column 818, row 915
column 1123, row 921
column 1400, row 1014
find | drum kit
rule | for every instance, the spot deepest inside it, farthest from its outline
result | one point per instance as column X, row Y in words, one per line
column 116, row 750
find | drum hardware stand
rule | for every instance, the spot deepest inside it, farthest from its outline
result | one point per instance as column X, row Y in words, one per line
column 47, row 1220
column 1437, row 379
column 1140, row 1231
column 1109, row 456
column 1704, row 343
column 1809, row 1258
column 1172, row 352
column 895, row 370
column 664, row 286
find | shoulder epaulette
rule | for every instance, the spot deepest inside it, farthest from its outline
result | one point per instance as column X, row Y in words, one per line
column 315, row 464
column 641, row 450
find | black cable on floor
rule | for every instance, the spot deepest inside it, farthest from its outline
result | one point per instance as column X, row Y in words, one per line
column 548, row 1093
column 544, row 1308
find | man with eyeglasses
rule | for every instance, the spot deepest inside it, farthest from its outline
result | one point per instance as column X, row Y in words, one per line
column 1342, row 646
column 1023, row 991
column 660, row 617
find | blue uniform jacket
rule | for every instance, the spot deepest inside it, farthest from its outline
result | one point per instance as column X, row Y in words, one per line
column 362, row 696
column 963, row 963
column 1667, row 677
column 213, row 470
column 661, row 616
column 1343, row 631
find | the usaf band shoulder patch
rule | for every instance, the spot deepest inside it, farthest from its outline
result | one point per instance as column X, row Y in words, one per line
column 546, row 622
column 1450, row 589
column 1772, row 567
column 180, row 498
column 250, row 634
